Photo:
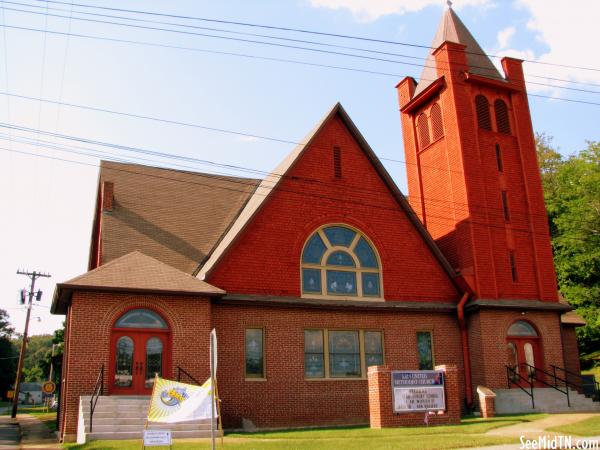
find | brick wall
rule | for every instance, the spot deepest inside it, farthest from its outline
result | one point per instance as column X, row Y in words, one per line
column 266, row 258
column 571, row 351
column 286, row 398
column 91, row 317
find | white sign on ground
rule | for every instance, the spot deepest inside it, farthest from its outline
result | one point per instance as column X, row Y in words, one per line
column 154, row 438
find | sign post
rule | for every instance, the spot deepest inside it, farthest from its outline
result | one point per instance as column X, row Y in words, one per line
column 418, row 390
column 213, row 376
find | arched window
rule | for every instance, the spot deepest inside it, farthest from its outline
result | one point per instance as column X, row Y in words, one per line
column 482, row 108
column 502, row 120
column 423, row 127
column 141, row 318
column 521, row 328
column 338, row 261
column 437, row 127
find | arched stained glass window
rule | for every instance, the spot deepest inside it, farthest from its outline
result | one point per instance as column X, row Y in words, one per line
column 437, row 126
column 521, row 328
column 339, row 261
column 140, row 318
column 423, row 127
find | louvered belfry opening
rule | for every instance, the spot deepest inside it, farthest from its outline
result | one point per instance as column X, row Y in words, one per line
column 502, row 120
column 337, row 162
column 423, row 126
column 482, row 108
column 437, row 127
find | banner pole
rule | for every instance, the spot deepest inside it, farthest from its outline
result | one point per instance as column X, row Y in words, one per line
column 149, row 407
column 212, row 393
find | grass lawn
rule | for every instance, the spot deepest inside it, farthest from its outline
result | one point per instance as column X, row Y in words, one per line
column 587, row 427
column 468, row 434
column 595, row 371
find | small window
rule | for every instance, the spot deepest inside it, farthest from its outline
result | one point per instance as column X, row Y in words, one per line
column 337, row 162
column 425, row 349
column 502, row 120
column 505, row 209
column 314, row 354
column 521, row 328
column 423, row 127
column 513, row 266
column 140, row 318
column 255, row 357
column 482, row 108
column 437, row 126
column 499, row 161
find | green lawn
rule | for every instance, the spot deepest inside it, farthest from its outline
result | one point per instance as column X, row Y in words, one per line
column 468, row 434
column 595, row 371
column 588, row 427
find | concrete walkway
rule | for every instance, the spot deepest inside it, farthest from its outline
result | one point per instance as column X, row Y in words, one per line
column 26, row 432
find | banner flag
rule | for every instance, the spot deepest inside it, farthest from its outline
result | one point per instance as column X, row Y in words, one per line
column 174, row 402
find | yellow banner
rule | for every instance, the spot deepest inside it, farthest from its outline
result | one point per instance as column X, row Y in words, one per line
column 180, row 402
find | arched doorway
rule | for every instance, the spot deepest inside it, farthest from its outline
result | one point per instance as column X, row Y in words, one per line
column 523, row 349
column 140, row 349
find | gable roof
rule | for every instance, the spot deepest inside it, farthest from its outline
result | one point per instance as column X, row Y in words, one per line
column 270, row 183
column 134, row 272
column 174, row 216
column 452, row 29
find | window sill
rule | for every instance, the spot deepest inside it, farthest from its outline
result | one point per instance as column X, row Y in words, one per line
column 255, row 379
column 343, row 297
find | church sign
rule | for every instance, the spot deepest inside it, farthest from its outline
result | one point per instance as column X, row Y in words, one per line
column 418, row 390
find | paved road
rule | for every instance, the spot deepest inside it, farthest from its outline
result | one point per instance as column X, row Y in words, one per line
column 25, row 432
column 10, row 434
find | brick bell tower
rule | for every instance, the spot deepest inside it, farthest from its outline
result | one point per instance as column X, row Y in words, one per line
column 473, row 177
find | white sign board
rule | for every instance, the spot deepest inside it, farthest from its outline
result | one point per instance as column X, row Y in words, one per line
column 418, row 390
column 154, row 438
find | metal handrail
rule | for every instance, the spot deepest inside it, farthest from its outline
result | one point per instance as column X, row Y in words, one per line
column 575, row 385
column 514, row 371
column 180, row 370
column 553, row 386
column 98, row 391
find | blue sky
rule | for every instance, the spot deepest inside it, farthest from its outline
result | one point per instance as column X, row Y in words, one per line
column 48, row 203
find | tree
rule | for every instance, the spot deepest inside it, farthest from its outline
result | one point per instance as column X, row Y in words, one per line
column 8, row 354
column 572, row 194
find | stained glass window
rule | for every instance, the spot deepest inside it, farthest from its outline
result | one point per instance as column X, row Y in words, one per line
column 124, row 366
column 344, row 354
column 140, row 318
column 154, row 351
column 425, row 349
column 521, row 328
column 340, row 261
column 373, row 348
column 314, row 362
column 254, row 353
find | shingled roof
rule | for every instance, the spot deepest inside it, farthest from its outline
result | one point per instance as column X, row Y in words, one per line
column 174, row 216
column 134, row 272
column 452, row 29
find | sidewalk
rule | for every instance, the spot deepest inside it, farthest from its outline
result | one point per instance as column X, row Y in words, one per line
column 26, row 432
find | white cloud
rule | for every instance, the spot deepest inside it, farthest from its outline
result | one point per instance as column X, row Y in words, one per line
column 370, row 10
column 567, row 30
column 505, row 36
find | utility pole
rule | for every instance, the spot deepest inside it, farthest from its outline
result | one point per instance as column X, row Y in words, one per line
column 33, row 276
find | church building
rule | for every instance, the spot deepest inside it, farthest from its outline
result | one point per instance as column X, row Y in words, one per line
column 324, row 267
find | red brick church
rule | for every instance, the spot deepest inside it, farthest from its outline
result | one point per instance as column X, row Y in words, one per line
column 325, row 268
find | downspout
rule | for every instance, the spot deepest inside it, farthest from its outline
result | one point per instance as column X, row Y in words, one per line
column 462, row 323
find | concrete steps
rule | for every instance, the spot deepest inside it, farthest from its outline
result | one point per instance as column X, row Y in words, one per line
column 512, row 401
column 124, row 417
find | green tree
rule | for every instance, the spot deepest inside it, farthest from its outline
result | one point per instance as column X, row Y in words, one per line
column 8, row 354
column 572, row 194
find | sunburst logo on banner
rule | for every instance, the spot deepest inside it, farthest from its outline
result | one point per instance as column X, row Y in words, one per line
column 179, row 402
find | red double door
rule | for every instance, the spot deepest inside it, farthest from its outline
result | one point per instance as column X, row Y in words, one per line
column 523, row 355
column 137, row 356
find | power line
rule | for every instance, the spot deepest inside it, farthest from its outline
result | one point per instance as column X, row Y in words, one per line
column 300, row 30
column 295, row 47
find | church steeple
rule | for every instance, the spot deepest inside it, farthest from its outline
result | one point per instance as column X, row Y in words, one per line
column 472, row 171
column 451, row 29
